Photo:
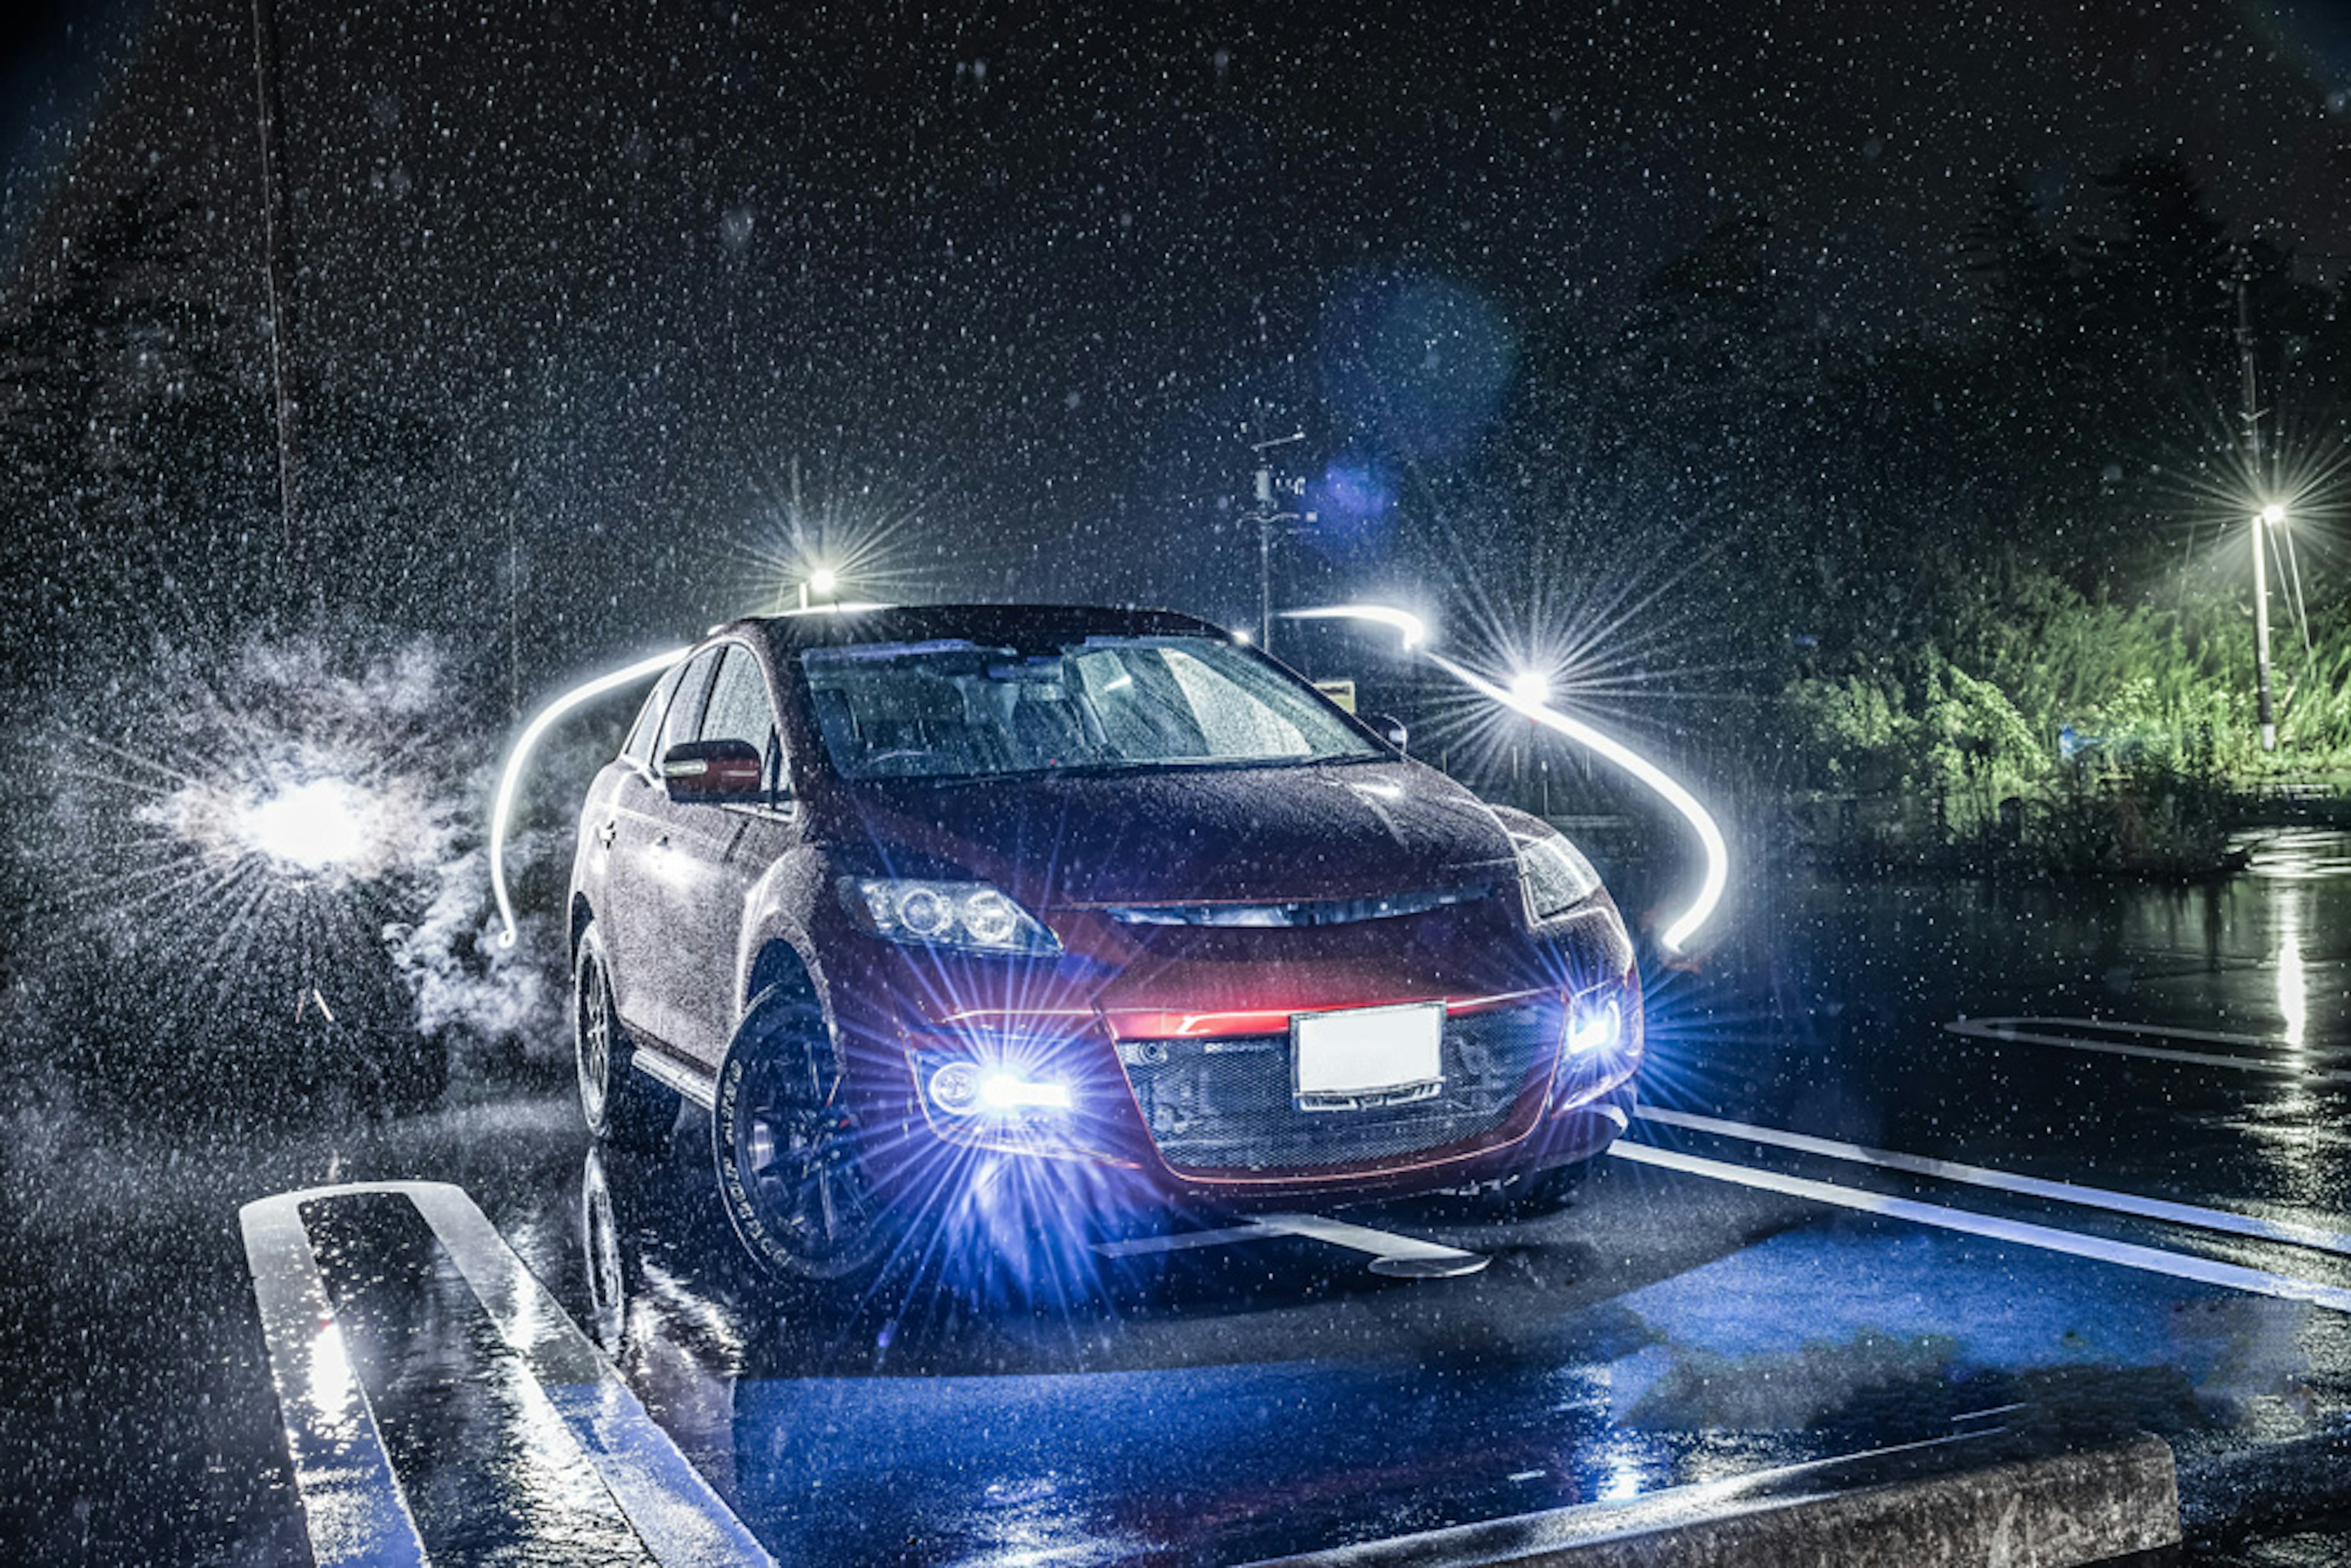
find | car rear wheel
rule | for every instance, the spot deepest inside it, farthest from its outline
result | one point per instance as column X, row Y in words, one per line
column 620, row 1104
column 789, row 1147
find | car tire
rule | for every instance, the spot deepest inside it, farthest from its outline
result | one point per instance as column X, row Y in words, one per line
column 789, row 1149
column 621, row 1106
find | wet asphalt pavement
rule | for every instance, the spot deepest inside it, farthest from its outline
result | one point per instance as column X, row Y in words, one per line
column 1686, row 1322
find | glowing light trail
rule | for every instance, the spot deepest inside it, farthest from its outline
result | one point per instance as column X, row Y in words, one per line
column 1717, row 854
column 1414, row 631
column 644, row 669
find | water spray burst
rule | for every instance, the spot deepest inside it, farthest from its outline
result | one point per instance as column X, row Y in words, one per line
column 318, row 826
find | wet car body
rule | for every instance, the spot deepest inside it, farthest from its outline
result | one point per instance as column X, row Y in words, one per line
column 1194, row 915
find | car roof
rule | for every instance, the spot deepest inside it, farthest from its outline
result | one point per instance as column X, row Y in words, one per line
column 1013, row 626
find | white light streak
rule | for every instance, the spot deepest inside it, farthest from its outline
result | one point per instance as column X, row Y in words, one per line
column 1717, row 854
column 642, row 670
column 1414, row 629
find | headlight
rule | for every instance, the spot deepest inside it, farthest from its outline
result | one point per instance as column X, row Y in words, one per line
column 1553, row 874
column 971, row 916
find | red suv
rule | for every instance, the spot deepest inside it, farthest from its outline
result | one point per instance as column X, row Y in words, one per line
column 915, row 899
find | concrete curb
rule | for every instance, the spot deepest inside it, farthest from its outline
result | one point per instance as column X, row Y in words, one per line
column 1976, row 1500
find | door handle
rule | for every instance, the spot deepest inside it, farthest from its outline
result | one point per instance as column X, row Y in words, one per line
column 605, row 834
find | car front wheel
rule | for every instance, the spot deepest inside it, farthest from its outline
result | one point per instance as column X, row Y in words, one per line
column 789, row 1147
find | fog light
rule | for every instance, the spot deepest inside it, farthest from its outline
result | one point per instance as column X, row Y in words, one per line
column 957, row 1088
column 1010, row 1092
column 1596, row 1030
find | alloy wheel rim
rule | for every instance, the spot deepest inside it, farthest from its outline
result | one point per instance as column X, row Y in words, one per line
column 595, row 1025
column 797, row 1149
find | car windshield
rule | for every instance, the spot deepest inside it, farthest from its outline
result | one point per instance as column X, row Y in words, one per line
column 957, row 709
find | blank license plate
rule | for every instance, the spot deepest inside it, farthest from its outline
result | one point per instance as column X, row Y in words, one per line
column 1368, row 1053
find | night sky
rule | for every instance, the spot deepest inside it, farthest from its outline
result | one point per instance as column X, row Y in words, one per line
column 1019, row 282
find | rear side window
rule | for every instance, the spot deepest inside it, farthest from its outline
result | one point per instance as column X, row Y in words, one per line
column 640, row 749
column 685, row 716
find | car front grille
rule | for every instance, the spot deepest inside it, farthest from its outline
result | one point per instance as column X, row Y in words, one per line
column 1226, row 1106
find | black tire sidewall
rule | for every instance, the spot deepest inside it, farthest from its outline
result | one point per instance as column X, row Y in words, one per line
column 773, row 1023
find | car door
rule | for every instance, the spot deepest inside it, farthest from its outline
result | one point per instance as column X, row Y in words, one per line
column 641, row 939
column 728, row 848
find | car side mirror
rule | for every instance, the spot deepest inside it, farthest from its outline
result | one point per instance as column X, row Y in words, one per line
column 711, row 770
column 1390, row 730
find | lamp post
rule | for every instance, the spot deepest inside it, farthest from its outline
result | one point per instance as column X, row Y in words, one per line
column 1267, row 515
column 823, row 582
column 1531, row 689
column 2270, row 516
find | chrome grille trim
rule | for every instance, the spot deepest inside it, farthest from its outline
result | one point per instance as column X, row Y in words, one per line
column 1299, row 912
column 1225, row 1106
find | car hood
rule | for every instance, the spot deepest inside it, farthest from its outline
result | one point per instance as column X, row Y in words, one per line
column 1328, row 830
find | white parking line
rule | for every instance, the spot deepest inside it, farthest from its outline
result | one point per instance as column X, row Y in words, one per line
column 1402, row 1256
column 1184, row 1241
column 680, row 1521
column 2007, row 1181
column 2004, row 1031
column 351, row 1502
column 2161, row 1031
column 2046, row 1238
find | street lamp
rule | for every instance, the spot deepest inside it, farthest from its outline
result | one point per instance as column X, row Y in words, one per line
column 2272, row 516
column 821, row 583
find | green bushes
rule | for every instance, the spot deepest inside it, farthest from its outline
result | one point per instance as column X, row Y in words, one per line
column 2123, row 733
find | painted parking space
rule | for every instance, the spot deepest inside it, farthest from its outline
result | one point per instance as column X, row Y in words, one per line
column 1117, row 1430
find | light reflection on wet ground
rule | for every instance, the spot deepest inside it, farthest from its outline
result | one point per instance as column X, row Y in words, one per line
column 1239, row 1401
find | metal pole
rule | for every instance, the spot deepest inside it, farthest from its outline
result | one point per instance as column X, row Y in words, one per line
column 2261, row 632
column 1265, row 558
column 273, row 227
column 1269, row 512
column 2260, row 530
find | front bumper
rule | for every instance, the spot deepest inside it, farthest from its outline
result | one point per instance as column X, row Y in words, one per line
column 1101, row 1066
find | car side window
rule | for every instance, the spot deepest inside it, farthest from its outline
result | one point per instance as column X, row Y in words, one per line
column 640, row 747
column 685, row 716
column 740, row 710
